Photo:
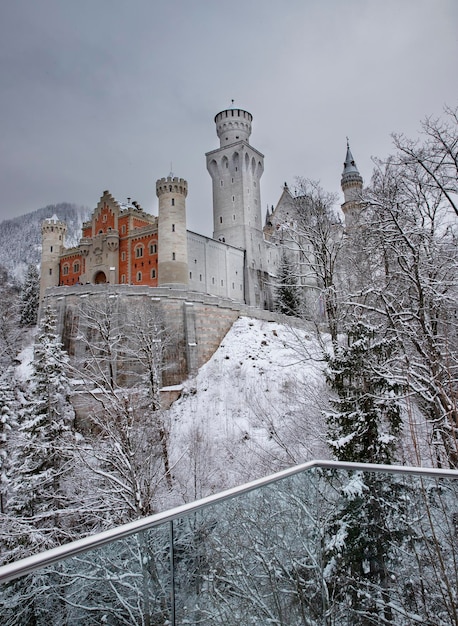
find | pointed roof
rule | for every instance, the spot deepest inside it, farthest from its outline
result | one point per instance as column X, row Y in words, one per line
column 350, row 171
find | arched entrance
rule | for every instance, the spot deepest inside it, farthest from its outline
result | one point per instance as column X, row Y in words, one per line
column 100, row 278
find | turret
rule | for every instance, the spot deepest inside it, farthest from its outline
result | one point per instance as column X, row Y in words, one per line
column 52, row 244
column 233, row 125
column 352, row 186
column 172, row 235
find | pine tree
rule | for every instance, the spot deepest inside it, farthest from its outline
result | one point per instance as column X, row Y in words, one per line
column 364, row 426
column 287, row 299
column 45, row 426
column 8, row 422
column 30, row 297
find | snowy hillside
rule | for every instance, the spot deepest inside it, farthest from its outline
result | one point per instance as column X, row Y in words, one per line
column 253, row 409
column 20, row 237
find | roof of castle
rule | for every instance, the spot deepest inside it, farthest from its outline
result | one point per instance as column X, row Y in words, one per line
column 350, row 171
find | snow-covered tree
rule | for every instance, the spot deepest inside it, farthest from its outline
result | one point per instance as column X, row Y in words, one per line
column 8, row 421
column 29, row 299
column 317, row 234
column 364, row 426
column 45, row 427
column 287, row 291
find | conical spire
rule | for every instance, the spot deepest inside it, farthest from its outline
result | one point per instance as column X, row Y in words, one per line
column 350, row 171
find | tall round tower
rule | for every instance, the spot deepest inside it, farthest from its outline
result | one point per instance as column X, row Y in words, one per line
column 236, row 169
column 52, row 244
column 352, row 186
column 172, row 237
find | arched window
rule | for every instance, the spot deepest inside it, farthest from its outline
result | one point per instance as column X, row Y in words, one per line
column 152, row 248
column 139, row 277
column 65, row 269
column 138, row 251
column 76, row 267
column 153, row 273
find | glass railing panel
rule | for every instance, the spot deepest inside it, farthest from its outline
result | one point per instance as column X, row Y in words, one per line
column 324, row 546
column 254, row 559
column 127, row 581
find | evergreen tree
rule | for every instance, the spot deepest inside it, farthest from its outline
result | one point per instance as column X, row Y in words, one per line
column 287, row 299
column 364, row 426
column 30, row 297
column 8, row 410
column 45, row 427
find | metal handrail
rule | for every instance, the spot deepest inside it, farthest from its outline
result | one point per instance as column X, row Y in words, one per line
column 42, row 559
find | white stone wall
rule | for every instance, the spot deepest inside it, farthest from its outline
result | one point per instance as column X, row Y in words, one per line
column 215, row 268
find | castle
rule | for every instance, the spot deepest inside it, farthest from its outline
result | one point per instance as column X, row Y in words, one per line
column 123, row 244
column 130, row 261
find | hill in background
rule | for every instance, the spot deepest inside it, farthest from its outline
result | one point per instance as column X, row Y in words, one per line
column 20, row 237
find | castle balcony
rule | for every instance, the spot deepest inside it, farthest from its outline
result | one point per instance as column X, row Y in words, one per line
column 280, row 550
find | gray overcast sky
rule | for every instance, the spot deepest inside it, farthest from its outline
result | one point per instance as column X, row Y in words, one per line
column 105, row 94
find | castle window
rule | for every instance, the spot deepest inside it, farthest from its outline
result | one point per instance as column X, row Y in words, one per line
column 139, row 251
column 173, row 201
column 221, row 183
column 123, row 278
column 50, row 249
column 232, row 180
column 233, row 217
column 200, row 277
column 173, row 256
column 220, row 220
column 190, row 275
column 100, row 232
column 76, row 267
column 222, row 283
column 152, row 248
column 227, row 164
column 123, row 256
column 233, row 286
column 173, row 228
column 123, row 229
column 233, row 198
column 153, row 273
column 65, row 270
column 104, row 218
column 139, row 277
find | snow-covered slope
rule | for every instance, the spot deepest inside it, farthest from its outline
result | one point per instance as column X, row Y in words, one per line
column 253, row 409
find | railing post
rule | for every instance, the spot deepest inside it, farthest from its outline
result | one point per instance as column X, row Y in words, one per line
column 172, row 574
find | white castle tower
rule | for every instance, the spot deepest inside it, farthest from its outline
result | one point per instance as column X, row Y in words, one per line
column 352, row 186
column 172, row 251
column 236, row 169
column 52, row 240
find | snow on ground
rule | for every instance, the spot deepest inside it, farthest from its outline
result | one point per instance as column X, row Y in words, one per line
column 252, row 409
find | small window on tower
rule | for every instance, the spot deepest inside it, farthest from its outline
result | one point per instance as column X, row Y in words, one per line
column 220, row 220
column 123, row 229
column 153, row 248
column 123, row 256
column 153, row 273
column 50, row 249
column 173, row 256
column 173, row 228
column 139, row 252
column 123, row 278
column 50, row 271
column 173, row 201
column 139, row 277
